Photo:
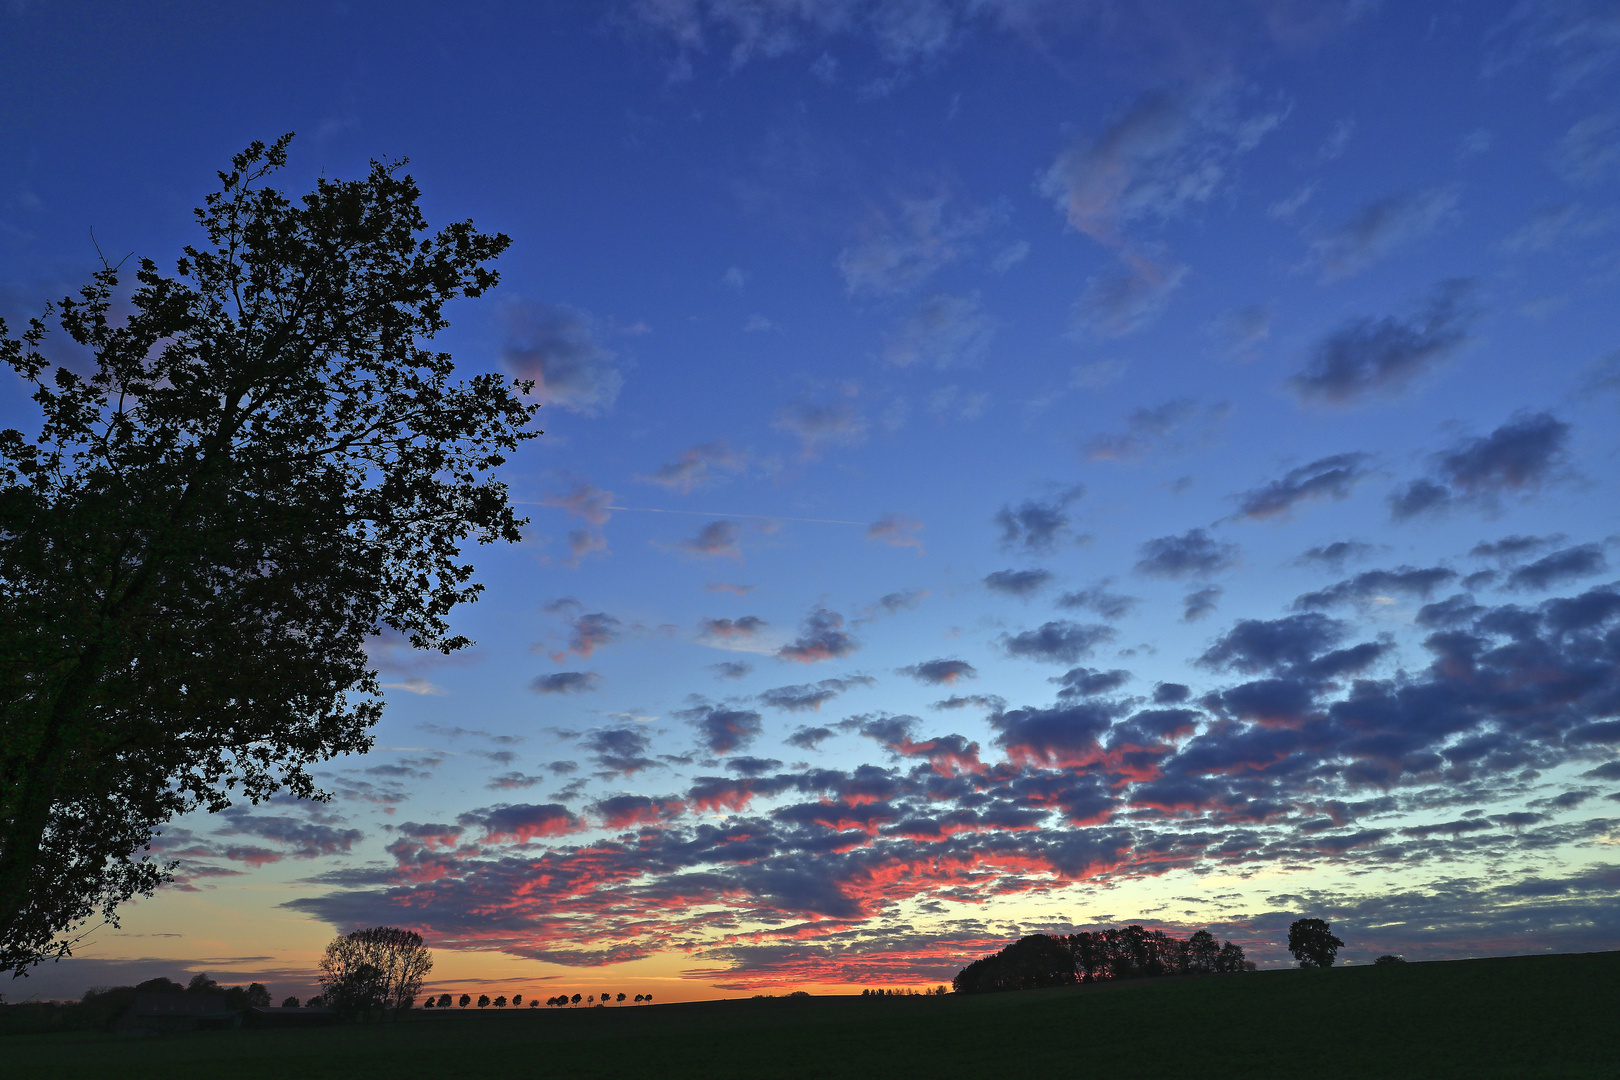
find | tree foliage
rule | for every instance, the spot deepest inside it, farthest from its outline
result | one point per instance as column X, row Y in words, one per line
column 232, row 489
column 1129, row 952
column 378, row 968
column 1312, row 943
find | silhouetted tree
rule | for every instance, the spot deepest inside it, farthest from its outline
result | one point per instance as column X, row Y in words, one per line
column 201, row 984
column 575, row 999
column 483, row 1001
column 1202, row 952
column 1230, row 958
column 466, row 1000
column 444, row 1001
column 621, row 997
column 638, row 997
column 290, row 1003
column 1032, row 961
column 1312, row 943
column 430, row 1002
column 379, row 967
column 262, row 465
column 517, row 999
column 648, row 999
column 534, row 1003
column 315, row 1002
column 1389, row 958
column 258, row 996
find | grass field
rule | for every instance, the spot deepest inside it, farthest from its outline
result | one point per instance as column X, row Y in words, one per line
column 1534, row 1016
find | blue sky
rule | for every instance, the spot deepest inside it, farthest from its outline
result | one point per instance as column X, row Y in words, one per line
column 1008, row 466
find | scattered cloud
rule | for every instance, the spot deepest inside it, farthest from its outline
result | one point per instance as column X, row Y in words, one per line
column 566, row 682
column 555, row 347
column 821, row 637
column 896, row 531
column 1177, row 423
column 722, row 730
column 1100, row 601
column 703, row 465
column 822, row 426
column 1559, row 568
column 1058, row 641
column 1368, row 356
column 940, row 672
column 1192, row 553
column 717, row 539
column 1380, row 229
column 903, row 251
column 1589, row 152
column 1519, row 456
column 811, row 696
column 1200, row 602
column 943, row 330
column 1020, row 583
column 1325, row 478
column 587, row 632
column 1036, row 526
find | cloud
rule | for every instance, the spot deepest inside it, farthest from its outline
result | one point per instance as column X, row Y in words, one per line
column 1178, row 422
column 821, row 637
column 698, row 466
column 1380, row 229
column 896, row 531
column 587, row 633
column 519, row 823
column 1200, row 602
column 1167, row 153
column 822, row 426
column 1120, row 304
column 1019, row 583
column 1579, row 39
column 1089, row 682
column 566, row 682
column 619, row 750
column 717, row 539
column 944, row 330
column 722, row 730
column 1243, row 330
column 1589, row 151
column 1058, row 641
column 812, row 696
column 1334, row 554
column 1367, row 356
column 891, row 604
column 625, row 811
column 1582, row 560
column 1194, row 552
column 731, row 669
column 901, row 253
column 1519, row 456
column 1326, row 478
column 593, row 506
column 1511, row 547
column 1098, row 600
column 742, row 628
column 809, row 738
column 1374, row 586
column 417, row 686
column 306, row 840
column 1036, row 527
column 554, row 346
column 940, row 672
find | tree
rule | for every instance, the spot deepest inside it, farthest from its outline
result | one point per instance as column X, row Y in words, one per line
column 500, row 1002
column 575, row 999
column 466, row 1000
column 201, row 984
column 1312, row 943
column 534, row 1003
column 483, row 1001
column 1202, row 952
column 289, row 1003
column 620, row 997
column 1230, row 959
column 381, row 967
column 647, row 998
column 264, row 467
column 517, row 999
column 258, row 996
column 316, row 1002
column 444, row 1001
column 431, row 1002
column 1389, row 958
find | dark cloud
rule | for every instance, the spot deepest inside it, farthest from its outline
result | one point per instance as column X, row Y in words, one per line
column 1582, row 560
column 991, row 702
column 1058, row 641
column 1194, row 552
column 566, row 682
column 740, row 629
column 1200, row 602
column 1036, row 527
column 939, row 672
column 1517, row 457
column 722, row 730
column 892, row 604
column 625, row 811
column 1020, row 583
column 717, row 539
column 812, row 696
column 1062, row 737
column 1089, row 682
column 1511, row 547
column 753, row 766
column 587, row 633
column 821, row 637
column 1170, row 693
column 1099, row 601
column 1373, row 584
column 303, row 838
column 809, row 738
column 1254, row 645
column 1326, row 478
column 731, row 669
column 619, row 750
column 518, row 823
column 555, row 347
column 1368, row 356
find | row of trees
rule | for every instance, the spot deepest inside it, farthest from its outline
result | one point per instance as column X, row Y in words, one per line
column 938, row 991
column 1131, row 952
column 444, row 1001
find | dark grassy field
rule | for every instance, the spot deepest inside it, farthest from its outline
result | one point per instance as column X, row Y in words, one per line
column 1536, row 1016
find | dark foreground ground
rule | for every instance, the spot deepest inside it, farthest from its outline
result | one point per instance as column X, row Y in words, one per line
column 1535, row 1016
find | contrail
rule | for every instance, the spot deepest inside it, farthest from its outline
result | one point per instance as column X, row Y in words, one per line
column 709, row 513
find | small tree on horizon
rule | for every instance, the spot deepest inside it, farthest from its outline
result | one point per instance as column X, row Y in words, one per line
column 1312, row 943
column 466, row 1000
column 575, row 999
column 500, row 1002
column 444, row 1001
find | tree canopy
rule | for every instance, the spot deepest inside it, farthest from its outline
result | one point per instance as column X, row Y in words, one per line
column 233, row 487
column 381, row 967
column 1312, row 943
column 1093, row 956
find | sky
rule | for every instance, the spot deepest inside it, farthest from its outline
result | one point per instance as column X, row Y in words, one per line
column 1009, row 466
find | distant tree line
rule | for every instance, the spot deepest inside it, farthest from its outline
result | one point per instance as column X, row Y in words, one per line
column 1131, row 952
column 484, row 1001
column 938, row 991
column 102, row 1006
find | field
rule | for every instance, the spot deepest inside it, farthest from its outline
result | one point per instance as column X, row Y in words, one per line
column 1536, row 1016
